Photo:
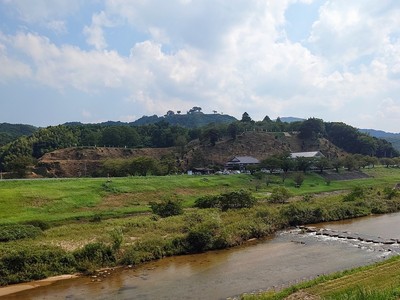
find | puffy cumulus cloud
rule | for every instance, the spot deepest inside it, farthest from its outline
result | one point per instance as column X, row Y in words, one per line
column 94, row 32
column 198, row 24
column 68, row 66
column 354, row 31
column 12, row 69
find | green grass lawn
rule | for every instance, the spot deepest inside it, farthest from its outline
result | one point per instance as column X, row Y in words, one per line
column 68, row 199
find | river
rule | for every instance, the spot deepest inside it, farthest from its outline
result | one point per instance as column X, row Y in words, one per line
column 286, row 258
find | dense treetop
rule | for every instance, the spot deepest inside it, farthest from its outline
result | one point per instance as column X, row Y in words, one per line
column 10, row 132
column 163, row 133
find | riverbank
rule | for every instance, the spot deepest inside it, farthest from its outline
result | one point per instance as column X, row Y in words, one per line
column 102, row 229
column 377, row 281
column 15, row 288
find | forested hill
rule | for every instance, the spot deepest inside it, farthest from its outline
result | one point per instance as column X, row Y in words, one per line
column 190, row 120
column 25, row 150
column 393, row 138
column 10, row 132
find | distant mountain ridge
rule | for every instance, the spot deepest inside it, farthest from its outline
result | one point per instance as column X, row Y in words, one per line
column 393, row 138
column 291, row 119
column 189, row 120
column 380, row 133
column 10, row 132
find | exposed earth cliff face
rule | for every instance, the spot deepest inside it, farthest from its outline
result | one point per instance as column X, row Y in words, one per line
column 76, row 162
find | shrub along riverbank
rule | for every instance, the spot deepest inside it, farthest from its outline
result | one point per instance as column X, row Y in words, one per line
column 67, row 226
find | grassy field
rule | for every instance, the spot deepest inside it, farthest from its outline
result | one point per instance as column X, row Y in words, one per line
column 90, row 223
column 67, row 199
column 380, row 281
column 75, row 199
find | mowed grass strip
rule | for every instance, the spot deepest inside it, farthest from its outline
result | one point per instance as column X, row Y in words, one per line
column 378, row 281
column 381, row 277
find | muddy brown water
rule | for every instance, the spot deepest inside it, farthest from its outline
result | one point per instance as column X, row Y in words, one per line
column 288, row 257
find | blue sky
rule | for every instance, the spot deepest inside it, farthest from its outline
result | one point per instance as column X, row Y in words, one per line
column 99, row 60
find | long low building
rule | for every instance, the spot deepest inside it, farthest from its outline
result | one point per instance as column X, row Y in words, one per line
column 310, row 154
column 241, row 162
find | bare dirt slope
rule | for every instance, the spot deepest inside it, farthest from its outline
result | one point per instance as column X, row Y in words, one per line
column 76, row 162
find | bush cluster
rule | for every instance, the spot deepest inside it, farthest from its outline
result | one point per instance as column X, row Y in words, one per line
column 17, row 232
column 279, row 195
column 33, row 263
column 356, row 193
column 94, row 255
column 231, row 200
column 167, row 208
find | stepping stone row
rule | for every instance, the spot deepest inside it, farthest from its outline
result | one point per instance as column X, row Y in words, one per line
column 349, row 235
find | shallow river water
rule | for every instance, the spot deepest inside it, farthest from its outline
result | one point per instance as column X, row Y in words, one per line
column 288, row 257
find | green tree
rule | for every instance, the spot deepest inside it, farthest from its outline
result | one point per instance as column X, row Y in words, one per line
column 298, row 179
column 180, row 144
column 143, row 166
column 287, row 164
column 387, row 162
column 271, row 163
column 267, row 119
column 371, row 161
column 312, row 129
column 322, row 164
column 213, row 135
column 20, row 164
column 233, row 130
column 337, row 164
column 303, row 163
column 245, row 117
column 350, row 163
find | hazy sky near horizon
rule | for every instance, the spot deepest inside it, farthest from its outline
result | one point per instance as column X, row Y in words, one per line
column 99, row 60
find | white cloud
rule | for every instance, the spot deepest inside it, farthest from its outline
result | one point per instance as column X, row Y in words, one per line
column 222, row 55
column 94, row 32
column 68, row 66
column 390, row 109
column 11, row 67
column 349, row 31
